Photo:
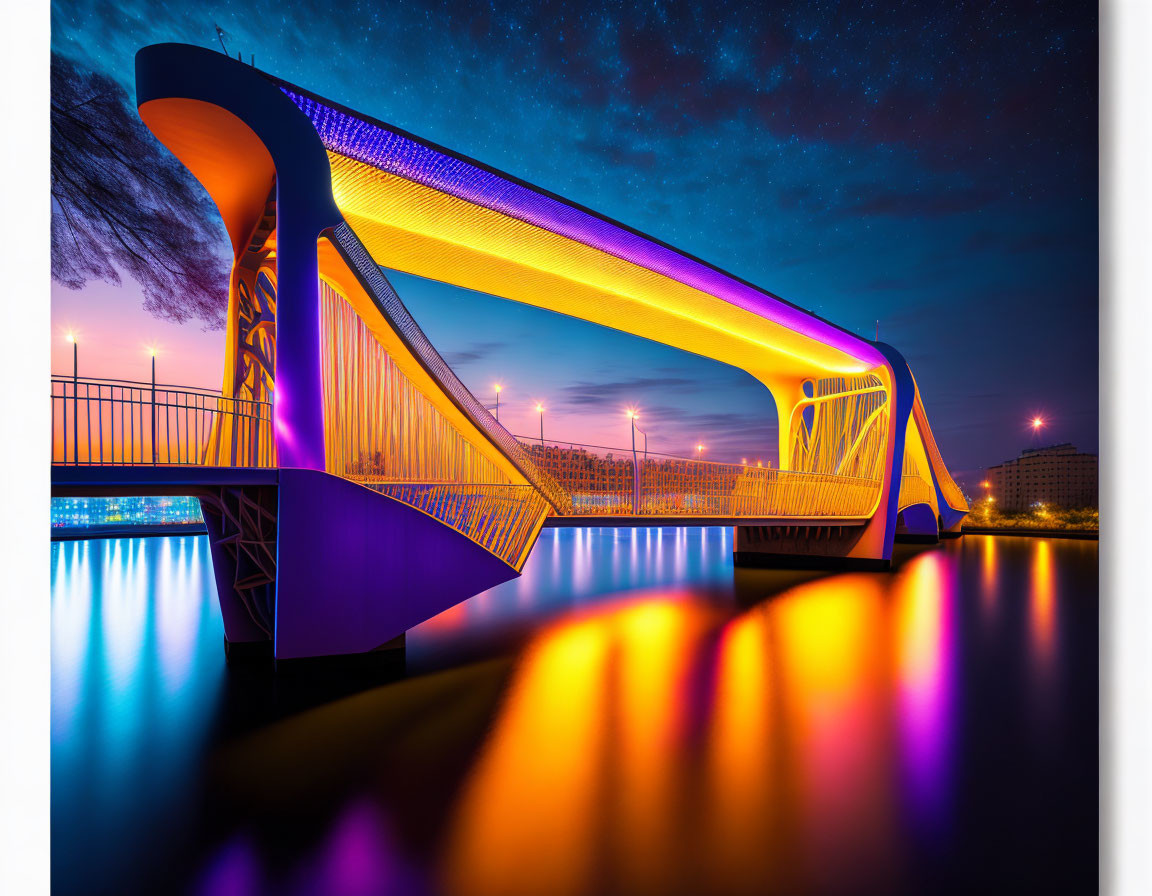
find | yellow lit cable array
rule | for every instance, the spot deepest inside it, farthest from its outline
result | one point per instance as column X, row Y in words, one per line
column 948, row 487
column 842, row 429
column 378, row 425
column 914, row 487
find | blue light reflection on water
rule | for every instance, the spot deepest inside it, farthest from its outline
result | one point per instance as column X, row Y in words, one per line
column 574, row 567
column 136, row 670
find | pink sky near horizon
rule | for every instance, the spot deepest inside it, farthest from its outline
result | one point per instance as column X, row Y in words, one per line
column 114, row 332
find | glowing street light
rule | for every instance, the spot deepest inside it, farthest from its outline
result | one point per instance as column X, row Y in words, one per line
column 986, row 484
column 1037, row 423
column 540, row 411
column 634, row 415
column 700, row 452
column 498, row 389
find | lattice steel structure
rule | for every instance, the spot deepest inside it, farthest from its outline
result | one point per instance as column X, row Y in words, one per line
column 250, row 342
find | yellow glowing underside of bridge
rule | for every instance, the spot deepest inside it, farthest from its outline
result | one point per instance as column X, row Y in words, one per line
column 416, row 229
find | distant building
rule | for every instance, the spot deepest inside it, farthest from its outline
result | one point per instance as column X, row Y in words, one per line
column 1058, row 475
column 92, row 513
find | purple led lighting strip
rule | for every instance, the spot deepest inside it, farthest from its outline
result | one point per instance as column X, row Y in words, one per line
column 395, row 153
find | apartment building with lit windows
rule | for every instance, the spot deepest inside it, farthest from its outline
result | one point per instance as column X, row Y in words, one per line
column 1058, row 475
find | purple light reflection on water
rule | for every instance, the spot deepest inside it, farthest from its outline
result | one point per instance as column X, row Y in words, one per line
column 925, row 596
column 234, row 870
column 358, row 858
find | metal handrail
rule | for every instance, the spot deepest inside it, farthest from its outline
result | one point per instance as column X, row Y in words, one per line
column 534, row 442
column 176, row 387
column 664, row 485
column 98, row 421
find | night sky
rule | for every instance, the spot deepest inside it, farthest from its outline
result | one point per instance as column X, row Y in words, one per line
column 930, row 166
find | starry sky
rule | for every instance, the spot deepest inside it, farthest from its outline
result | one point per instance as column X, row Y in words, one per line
column 932, row 167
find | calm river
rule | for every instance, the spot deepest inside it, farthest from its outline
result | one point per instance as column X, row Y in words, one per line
column 630, row 716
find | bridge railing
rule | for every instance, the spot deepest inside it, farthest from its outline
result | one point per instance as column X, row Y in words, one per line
column 599, row 480
column 129, row 423
column 705, row 488
column 914, row 489
column 501, row 518
column 603, row 481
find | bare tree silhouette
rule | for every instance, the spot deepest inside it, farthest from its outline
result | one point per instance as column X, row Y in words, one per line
column 121, row 202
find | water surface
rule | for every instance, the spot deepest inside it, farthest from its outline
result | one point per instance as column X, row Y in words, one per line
column 630, row 716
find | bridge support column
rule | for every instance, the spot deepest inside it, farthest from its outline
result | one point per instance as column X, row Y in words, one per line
column 952, row 526
column 803, row 547
column 319, row 566
column 357, row 569
column 916, row 524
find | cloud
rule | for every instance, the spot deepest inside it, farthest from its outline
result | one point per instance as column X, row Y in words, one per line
column 477, row 352
column 593, row 394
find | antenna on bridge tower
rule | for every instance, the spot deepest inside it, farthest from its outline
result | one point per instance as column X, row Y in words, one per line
column 220, row 34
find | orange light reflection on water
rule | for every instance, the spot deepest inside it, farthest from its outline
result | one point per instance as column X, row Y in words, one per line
column 742, row 791
column 644, row 749
column 527, row 819
column 830, row 635
column 1042, row 606
column 653, row 644
column 988, row 569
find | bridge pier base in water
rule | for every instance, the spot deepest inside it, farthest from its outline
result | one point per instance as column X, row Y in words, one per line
column 803, row 547
column 917, row 524
column 317, row 565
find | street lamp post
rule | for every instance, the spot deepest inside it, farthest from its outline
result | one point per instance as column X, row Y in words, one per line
column 700, row 452
column 71, row 337
column 499, row 388
column 152, row 352
column 632, row 416
column 540, row 411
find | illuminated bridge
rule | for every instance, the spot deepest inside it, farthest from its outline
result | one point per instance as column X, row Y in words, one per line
column 351, row 485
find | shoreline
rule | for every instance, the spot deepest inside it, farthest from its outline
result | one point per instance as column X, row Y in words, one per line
column 1079, row 534
column 137, row 531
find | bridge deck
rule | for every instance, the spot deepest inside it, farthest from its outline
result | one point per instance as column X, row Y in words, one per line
column 82, row 481
column 168, row 480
